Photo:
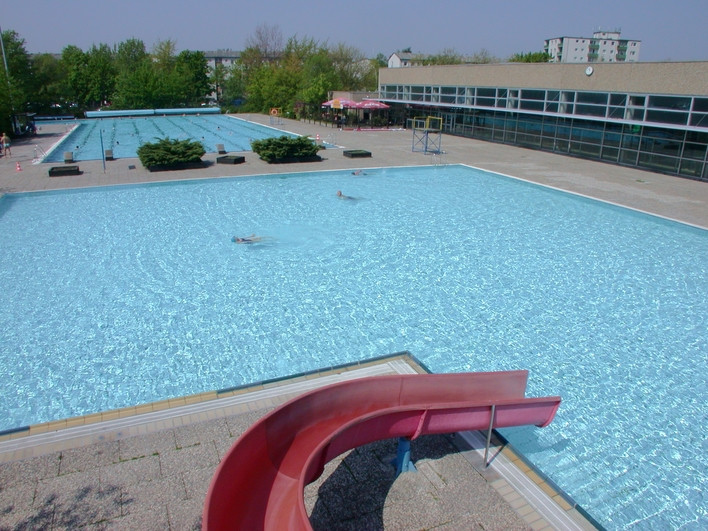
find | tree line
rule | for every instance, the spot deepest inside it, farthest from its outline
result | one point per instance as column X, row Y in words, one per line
column 271, row 73
column 295, row 75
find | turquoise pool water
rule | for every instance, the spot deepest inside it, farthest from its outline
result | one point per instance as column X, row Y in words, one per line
column 129, row 294
column 125, row 135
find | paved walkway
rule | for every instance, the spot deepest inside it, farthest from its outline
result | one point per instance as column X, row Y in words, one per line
column 149, row 467
column 152, row 471
column 664, row 195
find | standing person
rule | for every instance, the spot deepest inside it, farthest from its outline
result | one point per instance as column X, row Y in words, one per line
column 5, row 140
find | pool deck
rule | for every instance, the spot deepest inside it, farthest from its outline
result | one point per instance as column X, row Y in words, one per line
column 148, row 467
column 664, row 195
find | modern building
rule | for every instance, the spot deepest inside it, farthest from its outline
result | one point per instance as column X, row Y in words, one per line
column 653, row 116
column 603, row 47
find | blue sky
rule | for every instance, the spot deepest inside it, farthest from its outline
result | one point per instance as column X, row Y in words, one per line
column 669, row 30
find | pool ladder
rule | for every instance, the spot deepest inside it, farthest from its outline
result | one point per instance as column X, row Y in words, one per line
column 438, row 157
column 39, row 154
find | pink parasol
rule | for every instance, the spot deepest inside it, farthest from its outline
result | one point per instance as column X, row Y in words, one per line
column 371, row 105
column 340, row 103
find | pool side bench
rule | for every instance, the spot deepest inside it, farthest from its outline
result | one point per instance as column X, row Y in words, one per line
column 260, row 482
column 231, row 159
column 60, row 171
column 356, row 153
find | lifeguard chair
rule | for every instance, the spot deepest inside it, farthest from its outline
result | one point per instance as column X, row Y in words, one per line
column 427, row 135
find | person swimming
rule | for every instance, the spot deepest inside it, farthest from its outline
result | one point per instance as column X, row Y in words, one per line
column 340, row 195
column 247, row 239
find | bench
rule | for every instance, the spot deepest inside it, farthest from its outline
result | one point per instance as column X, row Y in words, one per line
column 356, row 153
column 60, row 171
column 261, row 480
column 230, row 159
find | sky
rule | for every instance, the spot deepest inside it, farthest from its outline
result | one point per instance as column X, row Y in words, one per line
column 673, row 30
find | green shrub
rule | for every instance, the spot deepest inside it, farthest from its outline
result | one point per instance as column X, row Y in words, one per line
column 166, row 152
column 285, row 147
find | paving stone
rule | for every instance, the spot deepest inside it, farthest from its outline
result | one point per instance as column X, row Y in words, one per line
column 77, row 500
column 163, row 492
column 202, row 432
column 89, row 457
column 150, row 518
column 366, row 463
column 42, row 518
column 44, row 466
column 223, row 445
column 194, row 457
column 238, row 424
column 147, row 445
column 137, row 470
column 17, row 496
column 186, row 516
column 196, row 482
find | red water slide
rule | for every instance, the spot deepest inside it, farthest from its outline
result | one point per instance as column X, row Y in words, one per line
column 260, row 482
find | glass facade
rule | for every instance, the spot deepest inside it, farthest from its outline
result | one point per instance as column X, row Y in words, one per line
column 662, row 133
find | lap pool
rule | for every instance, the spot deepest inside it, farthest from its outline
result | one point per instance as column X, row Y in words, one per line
column 128, row 294
column 125, row 135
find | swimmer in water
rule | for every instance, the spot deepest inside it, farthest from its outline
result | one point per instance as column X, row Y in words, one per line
column 340, row 195
column 247, row 239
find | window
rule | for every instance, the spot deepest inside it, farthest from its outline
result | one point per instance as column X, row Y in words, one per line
column 670, row 102
column 599, row 98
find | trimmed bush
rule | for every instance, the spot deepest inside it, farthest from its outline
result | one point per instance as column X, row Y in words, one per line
column 167, row 152
column 286, row 149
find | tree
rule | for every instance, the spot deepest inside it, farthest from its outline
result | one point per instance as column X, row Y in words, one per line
column 530, row 57
column 351, row 67
column 318, row 79
column 192, row 73
column 130, row 55
column 76, row 66
column 136, row 82
column 446, row 57
column 101, row 75
column 217, row 80
column 48, row 88
column 163, row 55
column 267, row 41
column 381, row 61
column 137, row 88
column 483, row 57
column 234, row 87
column 15, row 82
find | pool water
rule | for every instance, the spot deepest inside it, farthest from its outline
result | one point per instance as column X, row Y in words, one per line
column 125, row 135
column 123, row 295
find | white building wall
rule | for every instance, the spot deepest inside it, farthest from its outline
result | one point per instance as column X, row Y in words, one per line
column 603, row 47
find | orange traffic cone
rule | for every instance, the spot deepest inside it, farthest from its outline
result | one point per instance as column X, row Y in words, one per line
column 18, row 167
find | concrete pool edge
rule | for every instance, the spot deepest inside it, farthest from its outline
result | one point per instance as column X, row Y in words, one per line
column 199, row 398
column 539, row 502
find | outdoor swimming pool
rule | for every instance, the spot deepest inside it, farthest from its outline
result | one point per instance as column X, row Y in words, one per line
column 125, row 135
column 129, row 294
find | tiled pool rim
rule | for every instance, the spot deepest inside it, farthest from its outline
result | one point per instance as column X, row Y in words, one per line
column 504, row 449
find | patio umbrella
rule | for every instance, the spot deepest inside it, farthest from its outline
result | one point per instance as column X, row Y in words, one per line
column 371, row 105
column 340, row 103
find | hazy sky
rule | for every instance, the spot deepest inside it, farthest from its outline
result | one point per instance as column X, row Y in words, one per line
column 674, row 30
